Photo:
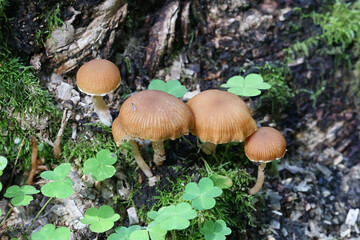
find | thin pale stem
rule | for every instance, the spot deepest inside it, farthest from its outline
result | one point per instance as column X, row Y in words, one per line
column 37, row 215
column 139, row 160
column 7, row 215
column 208, row 148
column 102, row 110
column 159, row 152
column 259, row 180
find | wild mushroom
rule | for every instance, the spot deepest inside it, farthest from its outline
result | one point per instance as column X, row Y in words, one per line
column 153, row 115
column 263, row 146
column 220, row 117
column 119, row 135
column 98, row 78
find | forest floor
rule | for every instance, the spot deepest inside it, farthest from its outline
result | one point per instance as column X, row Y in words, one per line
column 312, row 193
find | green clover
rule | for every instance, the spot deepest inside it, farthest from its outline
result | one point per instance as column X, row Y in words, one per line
column 202, row 194
column 215, row 230
column 174, row 216
column 153, row 230
column 123, row 233
column 19, row 195
column 48, row 232
column 172, row 87
column 248, row 86
column 61, row 185
column 3, row 163
column 101, row 219
column 101, row 167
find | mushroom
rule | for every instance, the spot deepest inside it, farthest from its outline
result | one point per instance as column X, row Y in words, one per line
column 263, row 146
column 98, row 78
column 220, row 117
column 152, row 115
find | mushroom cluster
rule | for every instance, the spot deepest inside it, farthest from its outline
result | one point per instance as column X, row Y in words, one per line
column 214, row 116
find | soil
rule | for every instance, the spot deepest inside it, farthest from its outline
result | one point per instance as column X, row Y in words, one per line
column 317, row 182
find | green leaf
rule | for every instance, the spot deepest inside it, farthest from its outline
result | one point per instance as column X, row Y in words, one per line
column 3, row 163
column 215, row 230
column 101, row 167
column 48, row 232
column 101, row 219
column 20, row 195
column 139, row 234
column 172, row 87
column 221, row 181
column 156, row 232
column 248, row 86
column 175, row 216
column 123, row 233
column 202, row 194
column 61, row 187
column 59, row 173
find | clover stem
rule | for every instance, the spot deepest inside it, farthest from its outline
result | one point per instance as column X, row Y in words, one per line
column 159, row 152
column 208, row 148
column 102, row 110
column 97, row 236
column 7, row 214
column 173, row 235
column 139, row 160
column 37, row 215
column 259, row 180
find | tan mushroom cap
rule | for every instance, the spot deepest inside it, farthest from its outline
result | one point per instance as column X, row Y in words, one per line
column 155, row 115
column 265, row 145
column 98, row 77
column 221, row 117
column 118, row 132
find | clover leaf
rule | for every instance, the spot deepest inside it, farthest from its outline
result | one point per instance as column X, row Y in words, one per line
column 61, row 185
column 123, row 233
column 248, row 86
column 175, row 216
column 153, row 230
column 202, row 194
column 48, row 232
column 101, row 167
column 3, row 163
column 172, row 87
column 101, row 219
column 215, row 230
column 19, row 195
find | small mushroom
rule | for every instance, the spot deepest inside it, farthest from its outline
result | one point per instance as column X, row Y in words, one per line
column 220, row 117
column 153, row 115
column 98, row 78
column 265, row 145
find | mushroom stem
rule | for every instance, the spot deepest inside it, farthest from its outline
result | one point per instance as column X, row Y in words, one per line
column 159, row 152
column 208, row 148
column 102, row 110
column 139, row 160
column 259, row 180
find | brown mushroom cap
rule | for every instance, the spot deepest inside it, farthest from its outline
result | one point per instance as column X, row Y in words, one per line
column 221, row 117
column 118, row 132
column 98, row 77
column 265, row 145
column 155, row 115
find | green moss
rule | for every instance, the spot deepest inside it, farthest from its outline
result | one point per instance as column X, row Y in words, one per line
column 277, row 75
column 53, row 21
column 20, row 89
column 84, row 148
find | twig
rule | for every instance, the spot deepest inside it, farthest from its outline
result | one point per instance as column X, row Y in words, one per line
column 57, row 146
